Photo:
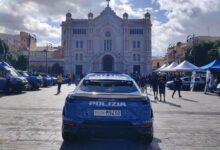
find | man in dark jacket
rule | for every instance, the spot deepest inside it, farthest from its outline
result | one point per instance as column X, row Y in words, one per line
column 155, row 86
column 162, row 86
column 177, row 86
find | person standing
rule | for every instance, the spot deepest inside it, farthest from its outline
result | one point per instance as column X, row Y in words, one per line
column 59, row 82
column 177, row 86
column 69, row 77
column 162, row 83
column 142, row 83
column 155, row 86
column 8, row 82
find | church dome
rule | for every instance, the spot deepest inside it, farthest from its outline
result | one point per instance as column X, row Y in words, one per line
column 90, row 15
column 68, row 15
column 147, row 15
column 125, row 15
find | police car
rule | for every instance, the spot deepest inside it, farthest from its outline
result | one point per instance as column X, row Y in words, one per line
column 107, row 104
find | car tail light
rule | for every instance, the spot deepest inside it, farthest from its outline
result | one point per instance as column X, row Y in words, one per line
column 145, row 100
column 70, row 99
column 144, row 126
column 70, row 124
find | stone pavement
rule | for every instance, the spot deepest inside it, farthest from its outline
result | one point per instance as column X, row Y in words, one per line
column 32, row 121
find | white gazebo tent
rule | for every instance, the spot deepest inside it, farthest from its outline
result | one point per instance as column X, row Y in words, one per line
column 185, row 66
column 162, row 67
column 169, row 68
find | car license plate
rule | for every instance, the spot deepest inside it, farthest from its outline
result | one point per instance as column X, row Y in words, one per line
column 107, row 113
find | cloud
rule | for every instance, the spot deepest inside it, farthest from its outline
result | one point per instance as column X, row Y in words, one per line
column 185, row 17
column 43, row 43
column 39, row 16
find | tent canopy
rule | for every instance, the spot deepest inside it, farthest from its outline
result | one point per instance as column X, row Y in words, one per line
column 162, row 67
column 186, row 67
column 170, row 67
column 213, row 66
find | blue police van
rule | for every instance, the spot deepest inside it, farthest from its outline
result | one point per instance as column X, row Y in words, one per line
column 17, row 82
column 107, row 104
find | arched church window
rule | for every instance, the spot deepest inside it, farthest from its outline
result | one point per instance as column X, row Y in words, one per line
column 77, row 57
column 134, row 57
column 81, row 44
column 81, row 57
column 134, row 44
column 77, row 44
column 139, row 57
column 138, row 44
column 107, row 45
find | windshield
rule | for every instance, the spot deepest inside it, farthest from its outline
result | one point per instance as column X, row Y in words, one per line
column 25, row 74
column 108, row 86
column 13, row 72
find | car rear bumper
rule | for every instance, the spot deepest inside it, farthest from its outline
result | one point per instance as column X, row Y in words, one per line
column 107, row 129
column 20, row 86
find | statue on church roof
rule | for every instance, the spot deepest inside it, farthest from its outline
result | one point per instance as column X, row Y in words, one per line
column 108, row 1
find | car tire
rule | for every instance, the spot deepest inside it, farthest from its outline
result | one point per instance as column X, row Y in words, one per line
column 68, row 137
column 147, row 139
column 19, row 91
column 31, row 86
column 37, row 88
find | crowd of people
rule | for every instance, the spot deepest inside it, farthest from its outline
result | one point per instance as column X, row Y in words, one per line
column 71, row 78
column 157, row 82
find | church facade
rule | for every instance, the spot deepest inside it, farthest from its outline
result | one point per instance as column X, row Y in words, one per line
column 107, row 43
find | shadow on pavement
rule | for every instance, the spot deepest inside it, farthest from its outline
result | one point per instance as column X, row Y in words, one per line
column 153, row 101
column 12, row 94
column 172, row 104
column 110, row 144
column 211, row 94
column 190, row 100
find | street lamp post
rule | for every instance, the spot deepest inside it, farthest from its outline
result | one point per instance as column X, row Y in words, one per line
column 46, row 51
column 29, row 48
column 193, row 43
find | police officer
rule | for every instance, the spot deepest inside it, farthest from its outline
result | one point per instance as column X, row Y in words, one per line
column 155, row 85
column 177, row 86
column 59, row 83
column 161, row 84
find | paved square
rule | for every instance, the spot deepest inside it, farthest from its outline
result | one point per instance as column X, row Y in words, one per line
column 32, row 121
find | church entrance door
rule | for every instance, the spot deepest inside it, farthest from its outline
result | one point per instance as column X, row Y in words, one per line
column 108, row 63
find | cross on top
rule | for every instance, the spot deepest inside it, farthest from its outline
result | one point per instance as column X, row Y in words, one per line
column 108, row 2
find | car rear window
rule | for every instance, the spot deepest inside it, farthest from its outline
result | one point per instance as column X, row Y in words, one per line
column 108, row 86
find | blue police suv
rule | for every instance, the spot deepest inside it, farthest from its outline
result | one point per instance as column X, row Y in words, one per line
column 107, row 104
column 17, row 82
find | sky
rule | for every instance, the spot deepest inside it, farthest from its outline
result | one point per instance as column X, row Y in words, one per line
column 172, row 20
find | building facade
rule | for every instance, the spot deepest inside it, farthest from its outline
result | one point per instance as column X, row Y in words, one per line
column 19, row 42
column 157, row 62
column 107, row 43
column 46, row 56
column 176, row 53
column 193, row 40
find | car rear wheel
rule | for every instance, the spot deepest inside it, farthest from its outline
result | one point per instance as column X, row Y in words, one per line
column 68, row 137
column 19, row 91
column 147, row 139
column 31, row 86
